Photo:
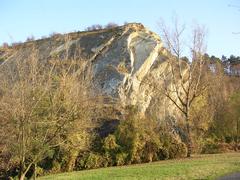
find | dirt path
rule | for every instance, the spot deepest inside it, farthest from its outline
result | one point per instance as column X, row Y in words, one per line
column 233, row 176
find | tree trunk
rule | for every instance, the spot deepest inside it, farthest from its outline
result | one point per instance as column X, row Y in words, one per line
column 34, row 173
column 237, row 138
column 189, row 147
column 22, row 176
column 189, row 139
column 21, row 171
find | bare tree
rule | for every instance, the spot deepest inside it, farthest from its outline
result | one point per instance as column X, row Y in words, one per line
column 182, row 83
column 94, row 27
column 42, row 106
column 111, row 25
column 30, row 38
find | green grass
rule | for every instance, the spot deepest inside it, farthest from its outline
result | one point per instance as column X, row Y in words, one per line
column 198, row 167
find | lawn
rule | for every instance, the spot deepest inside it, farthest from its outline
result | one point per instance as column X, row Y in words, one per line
column 197, row 167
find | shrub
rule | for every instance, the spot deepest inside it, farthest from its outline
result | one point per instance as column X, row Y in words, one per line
column 172, row 147
column 212, row 147
column 39, row 171
column 1, row 60
column 55, row 34
column 138, row 138
column 150, row 151
column 111, row 25
column 136, row 148
column 93, row 161
column 30, row 38
column 177, row 150
column 81, row 161
column 94, row 27
column 56, row 167
column 163, row 153
column 90, row 160
column 109, row 143
column 121, row 159
column 107, row 160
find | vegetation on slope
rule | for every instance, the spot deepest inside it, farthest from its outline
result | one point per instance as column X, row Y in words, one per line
column 50, row 120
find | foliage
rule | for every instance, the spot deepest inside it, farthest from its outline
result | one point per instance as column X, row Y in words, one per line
column 201, row 119
column 177, row 150
column 121, row 159
column 1, row 60
column 109, row 143
column 91, row 160
column 94, row 161
column 172, row 147
column 163, row 153
column 212, row 147
column 182, row 81
column 48, row 110
column 99, row 26
column 138, row 137
column 47, row 115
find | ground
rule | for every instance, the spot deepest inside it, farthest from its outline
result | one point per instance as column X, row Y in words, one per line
column 232, row 176
column 197, row 167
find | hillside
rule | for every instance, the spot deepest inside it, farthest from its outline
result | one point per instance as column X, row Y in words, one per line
column 113, row 97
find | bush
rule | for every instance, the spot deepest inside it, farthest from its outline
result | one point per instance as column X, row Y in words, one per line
column 172, row 147
column 136, row 140
column 81, row 161
column 213, row 147
column 107, row 160
column 39, row 171
column 56, row 167
column 2, row 60
column 210, row 147
column 109, row 143
column 30, row 38
column 139, row 138
column 177, row 150
column 94, row 161
column 94, row 27
column 111, row 25
column 121, row 159
column 151, row 149
column 163, row 153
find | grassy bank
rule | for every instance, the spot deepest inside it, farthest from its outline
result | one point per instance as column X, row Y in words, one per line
column 198, row 167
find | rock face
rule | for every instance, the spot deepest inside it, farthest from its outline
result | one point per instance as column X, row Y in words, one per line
column 124, row 60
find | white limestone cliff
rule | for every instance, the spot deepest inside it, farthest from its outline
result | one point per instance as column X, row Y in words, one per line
column 122, row 59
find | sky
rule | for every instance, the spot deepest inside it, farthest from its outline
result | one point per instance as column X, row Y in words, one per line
column 20, row 19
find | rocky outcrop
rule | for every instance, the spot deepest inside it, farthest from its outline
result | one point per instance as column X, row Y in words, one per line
column 124, row 60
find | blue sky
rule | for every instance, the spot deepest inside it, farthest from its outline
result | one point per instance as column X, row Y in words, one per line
column 22, row 18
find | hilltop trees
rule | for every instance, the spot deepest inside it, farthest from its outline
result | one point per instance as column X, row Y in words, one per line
column 99, row 26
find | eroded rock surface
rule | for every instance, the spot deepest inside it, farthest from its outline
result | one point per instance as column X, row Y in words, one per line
column 124, row 60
